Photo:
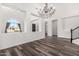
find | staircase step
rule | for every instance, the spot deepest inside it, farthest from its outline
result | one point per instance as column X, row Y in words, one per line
column 76, row 41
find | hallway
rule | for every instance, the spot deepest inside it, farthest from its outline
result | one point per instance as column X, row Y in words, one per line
column 50, row 46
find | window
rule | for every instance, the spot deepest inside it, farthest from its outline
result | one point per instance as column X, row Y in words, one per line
column 13, row 25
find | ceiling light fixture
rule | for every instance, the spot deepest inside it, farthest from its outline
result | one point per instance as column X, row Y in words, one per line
column 45, row 12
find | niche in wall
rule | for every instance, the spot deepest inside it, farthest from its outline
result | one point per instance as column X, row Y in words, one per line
column 13, row 25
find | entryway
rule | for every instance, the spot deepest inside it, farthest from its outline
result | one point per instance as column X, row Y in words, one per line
column 46, row 34
column 54, row 27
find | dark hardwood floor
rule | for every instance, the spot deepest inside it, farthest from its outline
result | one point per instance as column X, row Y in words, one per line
column 50, row 46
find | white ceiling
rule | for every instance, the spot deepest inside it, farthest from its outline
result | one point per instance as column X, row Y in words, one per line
column 19, row 6
column 24, row 6
column 62, row 9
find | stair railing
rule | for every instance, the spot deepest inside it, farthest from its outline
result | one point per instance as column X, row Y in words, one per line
column 74, row 33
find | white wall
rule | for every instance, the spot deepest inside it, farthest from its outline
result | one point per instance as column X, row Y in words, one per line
column 62, row 10
column 31, row 8
column 7, row 13
column 66, row 24
column 67, row 12
column 12, row 39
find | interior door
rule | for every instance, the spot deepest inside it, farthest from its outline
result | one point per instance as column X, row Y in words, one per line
column 54, row 27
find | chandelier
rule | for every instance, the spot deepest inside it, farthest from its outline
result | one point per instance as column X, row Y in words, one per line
column 45, row 12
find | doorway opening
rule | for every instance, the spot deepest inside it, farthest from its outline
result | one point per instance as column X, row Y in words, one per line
column 46, row 34
column 54, row 27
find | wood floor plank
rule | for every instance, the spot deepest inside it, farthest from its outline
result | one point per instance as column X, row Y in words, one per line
column 49, row 46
